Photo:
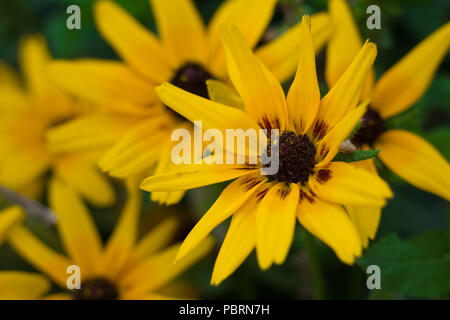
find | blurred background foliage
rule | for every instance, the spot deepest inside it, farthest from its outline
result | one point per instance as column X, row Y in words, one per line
column 413, row 242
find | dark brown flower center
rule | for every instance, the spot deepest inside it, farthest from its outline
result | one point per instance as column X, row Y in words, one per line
column 296, row 158
column 96, row 289
column 192, row 78
column 371, row 127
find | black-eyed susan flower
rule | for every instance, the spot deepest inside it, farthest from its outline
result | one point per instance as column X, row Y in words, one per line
column 405, row 153
column 27, row 113
column 308, row 185
column 186, row 54
column 122, row 268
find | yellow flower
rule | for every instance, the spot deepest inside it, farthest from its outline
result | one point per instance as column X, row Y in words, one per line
column 186, row 54
column 307, row 185
column 121, row 269
column 408, row 155
column 26, row 114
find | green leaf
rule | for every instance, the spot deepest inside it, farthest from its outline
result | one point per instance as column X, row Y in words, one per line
column 357, row 155
column 354, row 131
column 418, row 267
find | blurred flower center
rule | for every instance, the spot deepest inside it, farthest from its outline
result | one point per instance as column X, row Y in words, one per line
column 192, row 78
column 296, row 158
column 371, row 126
column 97, row 289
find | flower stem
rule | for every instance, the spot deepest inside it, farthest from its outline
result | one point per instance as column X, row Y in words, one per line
column 319, row 286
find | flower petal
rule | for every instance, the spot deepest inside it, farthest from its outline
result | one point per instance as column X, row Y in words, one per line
column 138, row 150
column 162, row 268
column 304, row 96
column 75, row 225
column 329, row 146
column 343, row 46
column 93, row 131
column 85, row 177
column 366, row 220
column 262, row 93
column 281, row 55
column 231, row 199
column 222, row 93
column 330, row 223
column 102, row 81
column 39, row 255
column 34, row 55
column 345, row 184
column 157, row 238
column 136, row 45
column 405, row 83
column 19, row 285
column 344, row 95
column 251, row 17
column 416, row 161
column 175, row 20
column 213, row 115
column 275, row 222
column 195, row 176
column 239, row 241
column 10, row 217
column 123, row 238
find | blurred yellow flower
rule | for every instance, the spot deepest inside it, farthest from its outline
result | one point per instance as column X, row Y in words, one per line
column 186, row 54
column 307, row 185
column 26, row 114
column 405, row 153
column 121, row 269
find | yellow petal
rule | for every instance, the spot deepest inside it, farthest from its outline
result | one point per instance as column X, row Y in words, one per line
column 136, row 45
column 181, row 29
column 304, row 96
column 275, row 221
column 19, row 285
column 101, row 81
column 212, row 114
column 262, row 93
column 281, row 55
column 239, row 242
column 343, row 46
column 75, row 225
column 138, row 150
column 405, row 83
column 9, row 218
column 345, row 184
column 416, row 161
column 223, row 94
column 331, row 224
column 86, row 178
column 88, row 132
column 121, row 242
column 34, row 55
column 329, row 146
column 344, row 95
column 159, row 269
column 165, row 165
column 195, row 176
column 366, row 220
column 231, row 199
column 39, row 255
column 251, row 17
column 157, row 238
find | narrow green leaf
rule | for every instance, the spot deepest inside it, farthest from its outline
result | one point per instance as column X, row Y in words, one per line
column 357, row 155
